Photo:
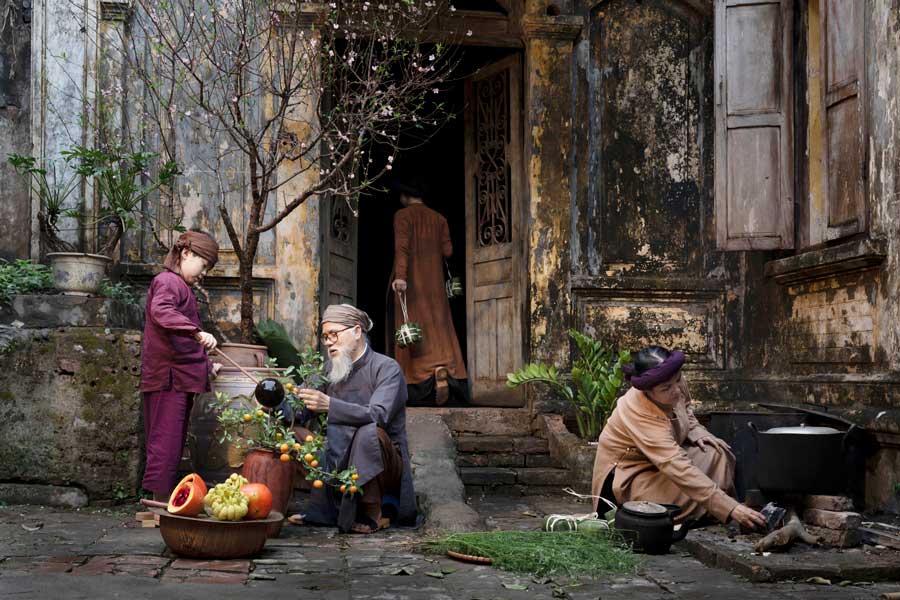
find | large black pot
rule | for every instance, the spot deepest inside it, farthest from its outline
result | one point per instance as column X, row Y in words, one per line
column 801, row 460
column 648, row 526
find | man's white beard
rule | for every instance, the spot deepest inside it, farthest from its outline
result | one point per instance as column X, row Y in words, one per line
column 340, row 367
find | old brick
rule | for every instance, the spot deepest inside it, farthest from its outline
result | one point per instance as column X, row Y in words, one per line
column 235, row 566
column 543, row 476
column 484, row 443
column 835, row 538
column 530, row 445
column 541, row 460
column 142, row 560
column 214, row 577
column 828, row 502
column 831, row 519
column 472, row 460
column 51, row 567
column 486, row 475
column 489, row 421
column 99, row 565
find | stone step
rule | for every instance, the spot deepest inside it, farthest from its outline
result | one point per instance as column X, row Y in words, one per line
column 527, row 476
column 502, row 444
column 505, row 459
column 478, row 420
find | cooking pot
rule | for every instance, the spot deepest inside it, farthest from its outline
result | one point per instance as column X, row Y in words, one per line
column 802, row 459
column 649, row 526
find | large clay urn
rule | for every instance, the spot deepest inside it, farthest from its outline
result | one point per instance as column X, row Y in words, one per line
column 264, row 466
column 246, row 355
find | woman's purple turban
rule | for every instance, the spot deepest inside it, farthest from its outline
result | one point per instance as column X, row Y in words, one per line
column 661, row 373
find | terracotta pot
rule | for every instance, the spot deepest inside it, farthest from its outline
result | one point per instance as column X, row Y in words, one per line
column 263, row 466
column 76, row 273
column 246, row 355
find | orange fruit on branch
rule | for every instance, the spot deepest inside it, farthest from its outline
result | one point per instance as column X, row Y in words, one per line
column 284, row 448
column 309, row 438
column 314, row 464
column 355, row 476
column 308, row 458
column 285, row 457
column 353, row 489
column 318, row 484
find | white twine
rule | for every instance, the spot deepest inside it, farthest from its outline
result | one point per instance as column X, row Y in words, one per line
column 402, row 297
column 572, row 492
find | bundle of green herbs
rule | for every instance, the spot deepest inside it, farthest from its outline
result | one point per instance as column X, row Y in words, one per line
column 545, row 554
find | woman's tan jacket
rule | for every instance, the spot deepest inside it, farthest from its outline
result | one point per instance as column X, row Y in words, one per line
column 646, row 447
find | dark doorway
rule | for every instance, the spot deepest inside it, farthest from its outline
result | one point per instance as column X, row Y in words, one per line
column 440, row 161
column 437, row 155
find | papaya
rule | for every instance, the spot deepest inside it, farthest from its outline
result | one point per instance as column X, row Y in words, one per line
column 187, row 497
column 196, row 480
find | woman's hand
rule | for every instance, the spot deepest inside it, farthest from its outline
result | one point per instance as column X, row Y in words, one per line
column 207, row 340
column 747, row 517
column 315, row 400
column 399, row 285
column 713, row 442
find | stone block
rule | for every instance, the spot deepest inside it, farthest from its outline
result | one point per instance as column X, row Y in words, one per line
column 43, row 495
column 543, row 476
column 530, row 445
column 840, row 503
column 472, row 460
column 484, row 443
column 487, row 475
column 832, row 519
column 836, row 538
column 81, row 429
column 230, row 566
column 503, row 459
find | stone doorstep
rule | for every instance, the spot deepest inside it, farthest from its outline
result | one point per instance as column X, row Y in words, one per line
column 798, row 564
column 513, row 489
column 505, row 476
column 478, row 420
column 502, row 443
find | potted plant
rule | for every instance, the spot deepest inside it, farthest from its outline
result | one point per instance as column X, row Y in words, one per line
column 591, row 386
column 270, row 443
column 122, row 181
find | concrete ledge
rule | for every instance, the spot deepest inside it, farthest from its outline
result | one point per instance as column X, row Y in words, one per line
column 712, row 547
column 435, row 477
column 570, row 451
column 56, row 310
column 482, row 420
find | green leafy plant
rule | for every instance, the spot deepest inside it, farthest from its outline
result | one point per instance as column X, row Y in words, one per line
column 591, row 386
column 22, row 277
column 118, row 291
column 52, row 189
column 124, row 181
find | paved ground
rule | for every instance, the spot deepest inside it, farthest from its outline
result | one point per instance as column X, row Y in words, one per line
column 97, row 554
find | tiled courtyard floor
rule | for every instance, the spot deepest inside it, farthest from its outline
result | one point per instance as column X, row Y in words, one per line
column 52, row 553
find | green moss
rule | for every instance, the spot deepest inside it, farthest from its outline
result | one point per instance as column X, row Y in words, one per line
column 7, row 396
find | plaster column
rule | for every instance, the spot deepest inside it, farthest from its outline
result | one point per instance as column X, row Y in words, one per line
column 548, row 156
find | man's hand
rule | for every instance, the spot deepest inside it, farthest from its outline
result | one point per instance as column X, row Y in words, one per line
column 713, row 442
column 216, row 367
column 748, row 518
column 206, row 340
column 399, row 285
column 315, row 400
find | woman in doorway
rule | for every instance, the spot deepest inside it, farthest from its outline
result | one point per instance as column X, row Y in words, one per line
column 434, row 366
column 652, row 448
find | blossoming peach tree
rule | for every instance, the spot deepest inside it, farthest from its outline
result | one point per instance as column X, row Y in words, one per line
column 299, row 92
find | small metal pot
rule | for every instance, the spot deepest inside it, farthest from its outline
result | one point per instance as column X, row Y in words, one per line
column 649, row 526
column 801, row 459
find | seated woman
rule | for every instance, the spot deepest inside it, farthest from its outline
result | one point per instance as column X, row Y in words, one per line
column 652, row 447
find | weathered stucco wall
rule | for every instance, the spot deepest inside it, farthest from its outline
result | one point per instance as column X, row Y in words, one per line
column 15, row 126
column 71, row 412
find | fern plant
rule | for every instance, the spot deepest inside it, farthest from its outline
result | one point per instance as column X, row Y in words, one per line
column 591, row 386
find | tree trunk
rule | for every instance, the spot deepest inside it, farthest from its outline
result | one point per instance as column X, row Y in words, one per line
column 246, row 283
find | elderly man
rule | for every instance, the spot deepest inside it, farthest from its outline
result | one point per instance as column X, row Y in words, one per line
column 365, row 400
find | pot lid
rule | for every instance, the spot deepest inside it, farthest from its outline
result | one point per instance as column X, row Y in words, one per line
column 642, row 507
column 803, row 429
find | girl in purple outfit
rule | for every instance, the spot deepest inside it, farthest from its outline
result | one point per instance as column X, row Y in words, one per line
column 174, row 364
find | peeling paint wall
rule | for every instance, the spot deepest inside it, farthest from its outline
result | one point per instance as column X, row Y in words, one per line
column 15, row 127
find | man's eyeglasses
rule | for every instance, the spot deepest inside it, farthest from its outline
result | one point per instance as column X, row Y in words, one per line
column 332, row 336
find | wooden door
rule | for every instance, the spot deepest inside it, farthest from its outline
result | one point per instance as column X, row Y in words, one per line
column 339, row 226
column 843, row 59
column 494, row 210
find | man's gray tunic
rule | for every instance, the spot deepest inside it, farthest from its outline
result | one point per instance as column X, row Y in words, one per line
column 373, row 395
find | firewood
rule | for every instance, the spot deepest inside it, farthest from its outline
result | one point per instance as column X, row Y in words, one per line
column 783, row 538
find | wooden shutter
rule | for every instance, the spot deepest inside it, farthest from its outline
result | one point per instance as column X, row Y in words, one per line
column 754, row 147
column 843, row 93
